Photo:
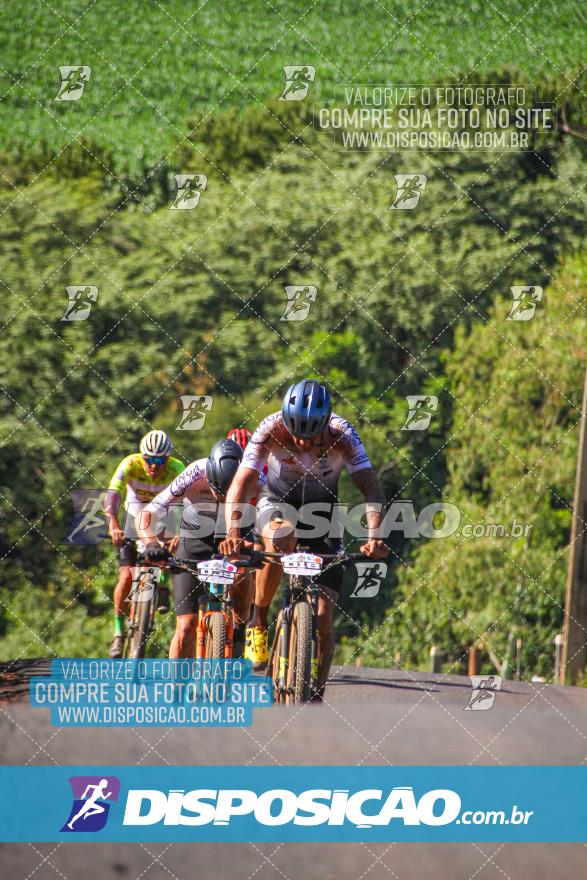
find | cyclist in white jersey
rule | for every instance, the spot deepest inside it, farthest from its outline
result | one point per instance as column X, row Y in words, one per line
column 304, row 449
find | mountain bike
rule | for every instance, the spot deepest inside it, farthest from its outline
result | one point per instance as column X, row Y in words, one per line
column 293, row 660
column 214, row 635
column 143, row 598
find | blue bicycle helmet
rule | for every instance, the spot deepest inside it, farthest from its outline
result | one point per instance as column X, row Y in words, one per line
column 306, row 408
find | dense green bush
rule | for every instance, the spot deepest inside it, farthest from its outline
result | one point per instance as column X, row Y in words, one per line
column 191, row 302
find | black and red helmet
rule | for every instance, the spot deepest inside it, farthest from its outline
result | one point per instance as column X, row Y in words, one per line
column 240, row 435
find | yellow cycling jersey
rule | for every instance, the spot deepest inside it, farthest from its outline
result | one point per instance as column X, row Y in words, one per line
column 132, row 482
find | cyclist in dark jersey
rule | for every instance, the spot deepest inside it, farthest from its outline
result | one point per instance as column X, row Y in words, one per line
column 197, row 492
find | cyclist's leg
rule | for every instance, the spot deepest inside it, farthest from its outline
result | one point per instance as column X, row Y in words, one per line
column 327, row 601
column 278, row 536
column 122, row 590
column 187, row 590
column 242, row 592
column 329, row 587
column 127, row 557
column 266, row 583
column 186, row 593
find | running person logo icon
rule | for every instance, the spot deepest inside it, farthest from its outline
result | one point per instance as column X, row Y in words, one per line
column 484, row 689
column 421, row 408
column 88, row 525
column 298, row 78
column 195, row 409
column 370, row 576
column 189, row 189
column 90, row 808
column 409, row 189
column 74, row 79
column 525, row 300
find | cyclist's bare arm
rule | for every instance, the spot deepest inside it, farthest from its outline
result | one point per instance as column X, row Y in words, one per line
column 111, row 508
column 241, row 489
column 367, row 482
column 144, row 523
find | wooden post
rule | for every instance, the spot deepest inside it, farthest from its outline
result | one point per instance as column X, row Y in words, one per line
column 474, row 665
column 436, row 655
column 558, row 654
column 575, row 619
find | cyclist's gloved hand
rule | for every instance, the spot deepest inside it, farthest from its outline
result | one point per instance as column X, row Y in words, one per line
column 156, row 553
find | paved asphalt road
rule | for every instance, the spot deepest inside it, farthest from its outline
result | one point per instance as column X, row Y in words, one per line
column 370, row 716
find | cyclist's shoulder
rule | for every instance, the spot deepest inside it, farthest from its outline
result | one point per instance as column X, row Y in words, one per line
column 343, row 432
column 131, row 464
column 340, row 425
column 269, row 428
column 191, row 472
column 175, row 467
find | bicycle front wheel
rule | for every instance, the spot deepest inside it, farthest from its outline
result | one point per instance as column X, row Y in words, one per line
column 299, row 673
column 140, row 630
column 215, row 636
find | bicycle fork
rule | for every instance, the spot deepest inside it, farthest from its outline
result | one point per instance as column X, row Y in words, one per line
column 289, row 602
column 314, row 666
column 283, row 646
column 208, row 607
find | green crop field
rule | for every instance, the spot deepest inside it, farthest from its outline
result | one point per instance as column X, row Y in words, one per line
column 159, row 68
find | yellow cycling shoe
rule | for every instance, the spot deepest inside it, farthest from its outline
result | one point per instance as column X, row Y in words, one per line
column 256, row 648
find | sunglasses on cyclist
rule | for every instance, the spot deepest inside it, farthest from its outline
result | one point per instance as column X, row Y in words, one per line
column 155, row 460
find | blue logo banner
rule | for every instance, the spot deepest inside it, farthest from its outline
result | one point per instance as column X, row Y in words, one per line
column 303, row 803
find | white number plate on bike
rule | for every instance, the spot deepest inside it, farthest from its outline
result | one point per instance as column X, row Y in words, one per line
column 301, row 563
column 217, row 571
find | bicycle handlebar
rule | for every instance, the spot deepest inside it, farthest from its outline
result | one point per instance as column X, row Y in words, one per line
column 255, row 559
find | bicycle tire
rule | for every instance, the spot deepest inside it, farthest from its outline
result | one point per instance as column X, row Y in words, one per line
column 215, row 636
column 299, row 672
column 274, row 661
column 141, row 630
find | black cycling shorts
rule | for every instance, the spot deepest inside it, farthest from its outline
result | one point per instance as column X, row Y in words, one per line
column 127, row 554
column 187, row 589
column 268, row 509
column 332, row 577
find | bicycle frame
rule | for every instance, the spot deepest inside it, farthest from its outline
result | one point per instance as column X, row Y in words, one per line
column 217, row 602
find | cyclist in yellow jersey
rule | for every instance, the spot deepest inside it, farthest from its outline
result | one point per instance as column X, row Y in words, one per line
column 138, row 479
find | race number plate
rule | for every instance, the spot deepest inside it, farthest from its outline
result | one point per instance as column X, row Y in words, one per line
column 302, row 564
column 217, row 571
